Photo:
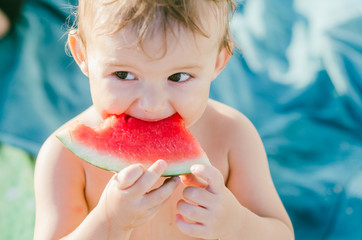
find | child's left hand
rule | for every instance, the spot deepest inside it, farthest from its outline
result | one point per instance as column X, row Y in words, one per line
column 210, row 211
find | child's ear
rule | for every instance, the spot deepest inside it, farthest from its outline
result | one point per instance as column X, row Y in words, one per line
column 77, row 49
column 222, row 60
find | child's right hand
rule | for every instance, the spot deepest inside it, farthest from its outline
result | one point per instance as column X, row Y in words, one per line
column 127, row 201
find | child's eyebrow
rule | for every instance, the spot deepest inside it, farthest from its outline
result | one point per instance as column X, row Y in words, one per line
column 116, row 64
column 188, row 67
column 179, row 68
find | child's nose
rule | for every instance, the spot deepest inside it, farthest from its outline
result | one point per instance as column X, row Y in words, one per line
column 153, row 99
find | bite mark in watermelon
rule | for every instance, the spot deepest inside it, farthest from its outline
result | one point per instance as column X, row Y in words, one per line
column 122, row 140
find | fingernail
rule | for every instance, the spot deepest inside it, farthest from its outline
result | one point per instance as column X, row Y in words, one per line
column 194, row 168
column 140, row 169
column 162, row 163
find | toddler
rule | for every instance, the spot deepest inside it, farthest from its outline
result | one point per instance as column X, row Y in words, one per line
column 151, row 59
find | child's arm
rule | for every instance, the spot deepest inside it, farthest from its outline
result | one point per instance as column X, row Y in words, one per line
column 248, row 207
column 62, row 208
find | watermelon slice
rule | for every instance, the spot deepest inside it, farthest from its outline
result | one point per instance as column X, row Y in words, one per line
column 123, row 140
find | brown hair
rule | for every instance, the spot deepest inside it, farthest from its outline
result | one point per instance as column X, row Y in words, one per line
column 147, row 16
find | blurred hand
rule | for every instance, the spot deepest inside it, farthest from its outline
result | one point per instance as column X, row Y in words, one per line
column 4, row 24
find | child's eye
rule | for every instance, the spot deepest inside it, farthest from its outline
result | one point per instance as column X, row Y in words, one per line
column 179, row 77
column 125, row 75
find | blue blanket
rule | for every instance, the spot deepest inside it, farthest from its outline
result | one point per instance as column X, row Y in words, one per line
column 40, row 86
column 297, row 76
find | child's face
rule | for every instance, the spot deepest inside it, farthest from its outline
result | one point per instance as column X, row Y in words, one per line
column 153, row 84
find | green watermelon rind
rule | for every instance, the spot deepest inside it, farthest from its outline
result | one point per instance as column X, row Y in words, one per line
column 116, row 164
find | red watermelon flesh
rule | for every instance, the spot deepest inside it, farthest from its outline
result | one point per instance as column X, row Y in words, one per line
column 123, row 140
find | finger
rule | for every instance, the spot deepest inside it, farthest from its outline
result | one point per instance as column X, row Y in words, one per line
column 160, row 195
column 192, row 229
column 192, row 212
column 128, row 176
column 192, row 180
column 199, row 196
column 210, row 174
column 150, row 177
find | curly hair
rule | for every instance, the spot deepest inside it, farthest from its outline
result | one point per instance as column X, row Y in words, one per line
column 147, row 17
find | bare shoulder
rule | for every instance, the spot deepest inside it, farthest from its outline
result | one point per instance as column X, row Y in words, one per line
column 237, row 132
column 238, row 136
column 53, row 154
column 226, row 136
column 226, row 119
column 59, row 183
column 55, row 161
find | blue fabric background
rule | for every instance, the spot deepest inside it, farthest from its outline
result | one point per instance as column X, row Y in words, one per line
column 40, row 86
column 298, row 77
